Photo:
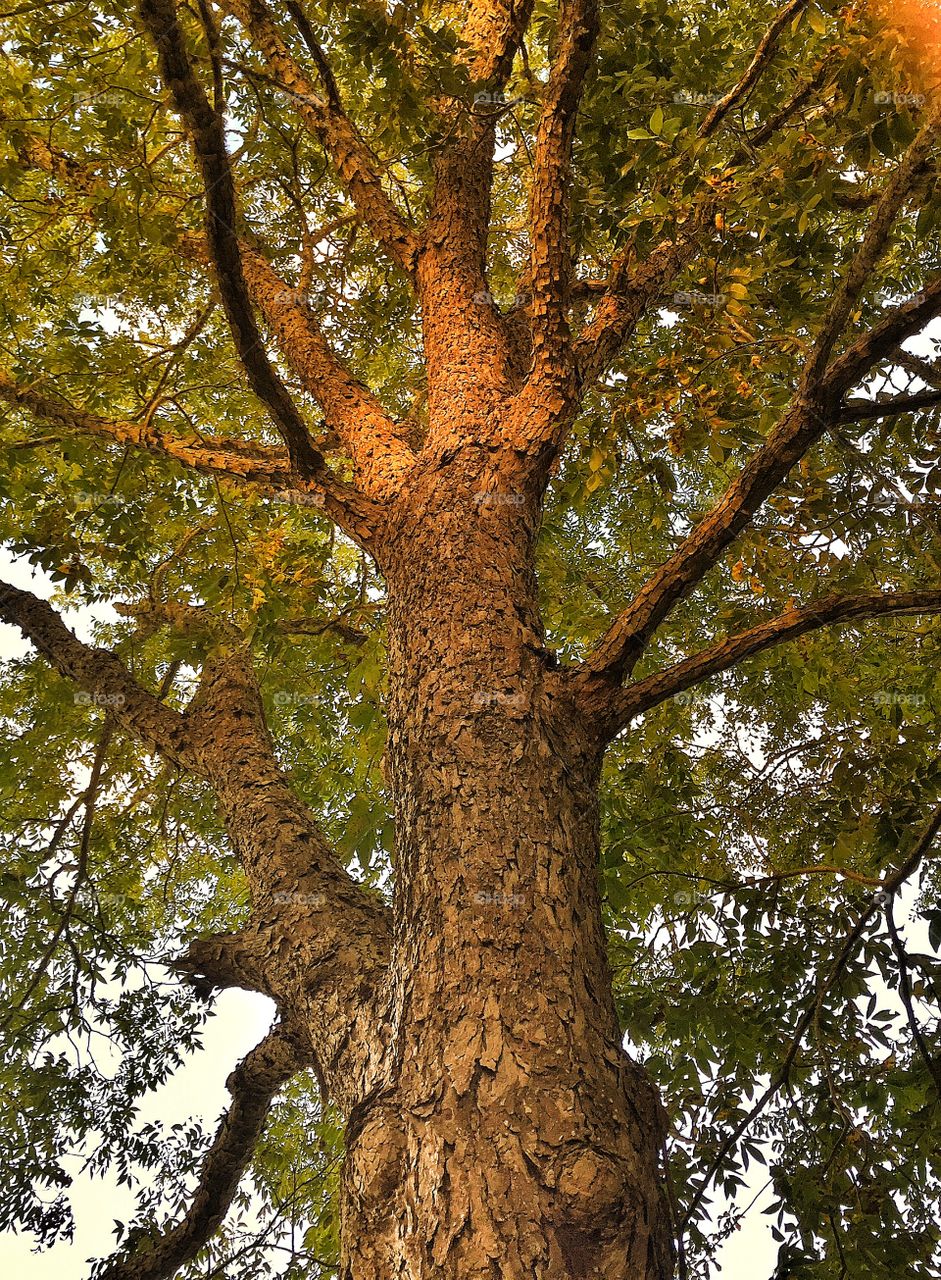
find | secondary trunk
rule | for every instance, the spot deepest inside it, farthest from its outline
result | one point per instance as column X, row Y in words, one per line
column 511, row 1136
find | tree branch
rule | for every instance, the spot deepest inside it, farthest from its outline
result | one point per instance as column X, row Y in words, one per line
column 98, row 674
column 88, row 800
column 458, row 314
column 550, row 248
column 725, row 654
column 872, row 246
column 866, row 410
column 325, row 117
column 253, row 1085
column 206, row 128
column 926, row 370
column 763, row 55
column 630, row 291
column 266, row 470
column 380, row 456
column 815, row 408
column 900, row 323
column 628, row 635
column 330, row 977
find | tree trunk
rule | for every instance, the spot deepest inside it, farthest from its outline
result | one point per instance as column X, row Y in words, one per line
column 511, row 1136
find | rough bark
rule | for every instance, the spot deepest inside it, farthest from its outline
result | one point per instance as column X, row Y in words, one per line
column 512, row 1137
column 495, row 1125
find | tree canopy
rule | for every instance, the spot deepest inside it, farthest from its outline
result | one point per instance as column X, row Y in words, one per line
column 767, row 179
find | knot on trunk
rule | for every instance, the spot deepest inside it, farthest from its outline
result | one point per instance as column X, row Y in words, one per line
column 375, row 1156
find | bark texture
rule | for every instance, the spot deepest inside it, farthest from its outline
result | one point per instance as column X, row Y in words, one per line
column 496, row 1129
column 511, row 1137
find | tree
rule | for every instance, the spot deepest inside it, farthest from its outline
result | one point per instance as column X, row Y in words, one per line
column 498, row 431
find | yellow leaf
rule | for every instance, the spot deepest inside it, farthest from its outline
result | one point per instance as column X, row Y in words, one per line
column 817, row 21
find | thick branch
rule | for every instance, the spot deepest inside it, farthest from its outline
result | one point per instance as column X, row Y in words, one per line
column 627, row 703
column 866, row 410
column 325, row 117
column 494, row 30
column 379, row 455
column 459, row 217
column 206, row 128
column 550, row 250
column 213, row 455
column 351, row 411
column 872, row 246
column 100, row 677
column 459, row 317
column 253, row 1085
column 317, row 942
column 630, row 292
column 626, row 638
column 878, row 343
column 331, row 973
